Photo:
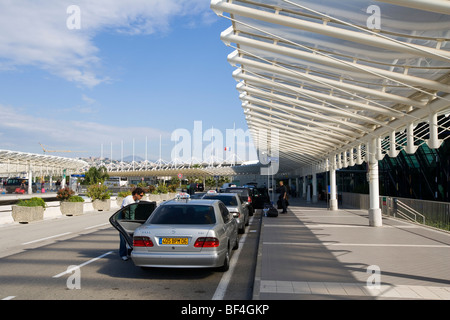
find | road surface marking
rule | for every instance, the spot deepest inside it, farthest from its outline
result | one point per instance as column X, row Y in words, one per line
column 225, row 280
column 96, row 226
column 43, row 239
column 82, row 265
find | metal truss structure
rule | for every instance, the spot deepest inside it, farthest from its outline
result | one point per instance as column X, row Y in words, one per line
column 343, row 82
column 14, row 163
column 162, row 168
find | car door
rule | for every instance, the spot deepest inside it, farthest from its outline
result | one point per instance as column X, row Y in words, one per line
column 230, row 223
column 258, row 199
column 244, row 209
column 129, row 218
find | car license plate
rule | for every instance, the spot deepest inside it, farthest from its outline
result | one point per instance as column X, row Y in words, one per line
column 182, row 241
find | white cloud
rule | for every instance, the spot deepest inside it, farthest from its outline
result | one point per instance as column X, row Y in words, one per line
column 87, row 99
column 22, row 131
column 35, row 32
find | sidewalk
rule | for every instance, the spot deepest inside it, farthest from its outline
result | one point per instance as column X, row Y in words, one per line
column 314, row 253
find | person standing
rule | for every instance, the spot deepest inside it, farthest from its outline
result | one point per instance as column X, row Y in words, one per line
column 136, row 195
column 283, row 196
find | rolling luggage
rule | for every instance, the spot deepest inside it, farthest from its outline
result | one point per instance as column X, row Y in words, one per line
column 270, row 211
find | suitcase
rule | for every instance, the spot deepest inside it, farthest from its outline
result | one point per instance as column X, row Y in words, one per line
column 270, row 210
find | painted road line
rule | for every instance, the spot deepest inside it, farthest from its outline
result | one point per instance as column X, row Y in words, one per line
column 225, row 280
column 96, row 226
column 9, row 298
column 43, row 239
column 70, row 270
column 326, row 244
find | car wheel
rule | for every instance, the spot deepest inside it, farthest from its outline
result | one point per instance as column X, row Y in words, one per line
column 226, row 262
column 236, row 244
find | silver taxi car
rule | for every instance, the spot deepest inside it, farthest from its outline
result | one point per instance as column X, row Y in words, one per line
column 234, row 204
column 181, row 233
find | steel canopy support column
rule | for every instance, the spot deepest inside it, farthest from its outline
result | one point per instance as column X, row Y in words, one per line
column 304, row 187
column 333, row 198
column 433, row 142
column 314, row 186
column 375, row 219
column 30, row 179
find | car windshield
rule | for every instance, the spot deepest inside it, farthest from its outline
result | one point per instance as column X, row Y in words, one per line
column 227, row 200
column 183, row 214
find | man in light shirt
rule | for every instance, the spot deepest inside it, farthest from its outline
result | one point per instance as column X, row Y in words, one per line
column 136, row 195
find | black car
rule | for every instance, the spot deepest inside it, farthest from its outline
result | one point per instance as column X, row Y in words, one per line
column 260, row 197
column 13, row 184
column 246, row 195
column 194, row 187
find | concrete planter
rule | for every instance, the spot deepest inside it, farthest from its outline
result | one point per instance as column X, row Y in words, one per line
column 164, row 196
column 119, row 201
column 154, row 197
column 72, row 208
column 102, row 205
column 27, row 214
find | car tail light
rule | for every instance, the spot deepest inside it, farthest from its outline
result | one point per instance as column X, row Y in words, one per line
column 142, row 242
column 207, row 242
column 249, row 200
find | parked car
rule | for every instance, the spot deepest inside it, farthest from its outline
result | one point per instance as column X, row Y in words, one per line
column 260, row 196
column 198, row 195
column 246, row 197
column 13, row 185
column 227, row 185
column 180, row 233
column 234, row 204
column 194, row 187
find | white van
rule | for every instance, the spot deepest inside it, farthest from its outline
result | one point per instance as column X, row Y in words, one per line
column 116, row 182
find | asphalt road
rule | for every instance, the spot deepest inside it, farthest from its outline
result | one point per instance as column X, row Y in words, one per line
column 77, row 258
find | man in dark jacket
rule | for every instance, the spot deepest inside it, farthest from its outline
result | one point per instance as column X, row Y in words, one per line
column 283, row 197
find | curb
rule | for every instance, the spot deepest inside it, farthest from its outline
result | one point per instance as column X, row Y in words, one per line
column 257, row 280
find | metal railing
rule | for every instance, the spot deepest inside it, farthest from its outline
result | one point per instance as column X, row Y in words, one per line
column 406, row 212
column 431, row 213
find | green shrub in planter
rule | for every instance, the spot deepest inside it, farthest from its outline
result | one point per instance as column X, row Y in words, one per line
column 33, row 202
column 75, row 199
column 123, row 194
column 162, row 188
column 71, row 205
column 100, row 196
column 98, row 192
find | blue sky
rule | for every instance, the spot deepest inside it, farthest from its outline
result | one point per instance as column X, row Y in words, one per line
column 133, row 69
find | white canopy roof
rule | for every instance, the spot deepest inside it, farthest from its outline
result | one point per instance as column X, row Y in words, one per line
column 14, row 162
column 334, row 77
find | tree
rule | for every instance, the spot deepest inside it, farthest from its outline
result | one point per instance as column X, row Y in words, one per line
column 95, row 176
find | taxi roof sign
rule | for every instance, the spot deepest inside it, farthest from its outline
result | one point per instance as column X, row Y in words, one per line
column 182, row 196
